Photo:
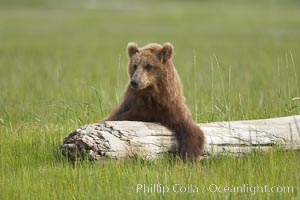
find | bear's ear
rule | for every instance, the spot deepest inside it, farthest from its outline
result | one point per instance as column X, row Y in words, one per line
column 132, row 49
column 166, row 52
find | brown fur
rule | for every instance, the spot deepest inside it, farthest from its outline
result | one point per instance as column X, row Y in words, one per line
column 154, row 94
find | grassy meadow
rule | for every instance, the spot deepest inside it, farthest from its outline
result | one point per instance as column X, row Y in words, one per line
column 63, row 65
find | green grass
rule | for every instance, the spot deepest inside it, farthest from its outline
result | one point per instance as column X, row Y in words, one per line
column 63, row 65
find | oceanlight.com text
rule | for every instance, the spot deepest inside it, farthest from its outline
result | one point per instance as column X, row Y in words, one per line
column 250, row 189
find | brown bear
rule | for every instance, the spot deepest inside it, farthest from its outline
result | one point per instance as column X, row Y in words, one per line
column 154, row 94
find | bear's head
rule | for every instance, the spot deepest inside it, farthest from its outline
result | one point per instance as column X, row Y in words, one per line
column 149, row 66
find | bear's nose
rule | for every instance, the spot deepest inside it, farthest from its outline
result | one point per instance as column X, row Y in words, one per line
column 134, row 83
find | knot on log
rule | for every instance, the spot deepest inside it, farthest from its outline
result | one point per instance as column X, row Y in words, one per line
column 88, row 141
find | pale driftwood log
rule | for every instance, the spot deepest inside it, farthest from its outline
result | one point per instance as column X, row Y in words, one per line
column 120, row 139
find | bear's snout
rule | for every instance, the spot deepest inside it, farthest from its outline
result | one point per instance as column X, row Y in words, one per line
column 134, row 83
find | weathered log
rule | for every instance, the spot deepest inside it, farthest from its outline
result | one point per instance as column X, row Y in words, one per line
column 120, row 139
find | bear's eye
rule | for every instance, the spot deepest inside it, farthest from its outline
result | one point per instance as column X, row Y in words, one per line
column 148, row 67
column 134, row 66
